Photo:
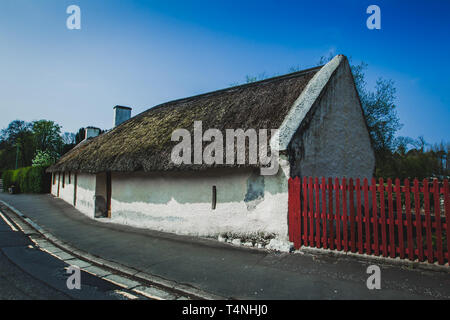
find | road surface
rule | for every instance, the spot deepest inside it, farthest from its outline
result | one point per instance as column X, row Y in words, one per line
column 226, row 270
column 27, row 273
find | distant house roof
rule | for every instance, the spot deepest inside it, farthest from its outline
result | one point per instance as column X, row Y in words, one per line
column 143, row 143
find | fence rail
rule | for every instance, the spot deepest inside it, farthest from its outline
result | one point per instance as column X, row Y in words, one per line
column 410, row 221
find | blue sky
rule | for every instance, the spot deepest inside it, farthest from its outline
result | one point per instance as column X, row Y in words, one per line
column 142, row 53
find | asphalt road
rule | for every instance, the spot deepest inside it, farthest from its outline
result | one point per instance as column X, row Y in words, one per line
column 226, row 270
column 27, row 273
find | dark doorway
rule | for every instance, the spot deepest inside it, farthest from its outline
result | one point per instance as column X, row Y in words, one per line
column 101, row 195
column 59, row 182
column 75, row 184
column 108, row 194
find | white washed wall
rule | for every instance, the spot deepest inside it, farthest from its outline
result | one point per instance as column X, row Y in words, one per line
column 181, row 202
column 85, row 191
column 54, row 187
column 336, row 143
column 66, row 190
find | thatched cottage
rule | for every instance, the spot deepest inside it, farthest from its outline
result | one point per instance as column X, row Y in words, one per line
column 126, row 174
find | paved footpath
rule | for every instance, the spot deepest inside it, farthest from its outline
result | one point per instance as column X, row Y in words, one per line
column 226, row 270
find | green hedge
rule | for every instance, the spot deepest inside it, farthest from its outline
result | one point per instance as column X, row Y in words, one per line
column 28, row 180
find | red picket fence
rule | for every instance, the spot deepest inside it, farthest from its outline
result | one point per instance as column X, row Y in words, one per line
column 409, row 221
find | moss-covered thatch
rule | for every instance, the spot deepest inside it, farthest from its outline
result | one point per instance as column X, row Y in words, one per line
column 143, row 143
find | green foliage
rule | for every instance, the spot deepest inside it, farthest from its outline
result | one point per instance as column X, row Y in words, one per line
column 44, row 159
column 396, row 157
column 7, row 156
column 15, row 130
column 380, row 112
column 16, row 145
column 417, row 162
column 47, row 135
column 21, row 142
column 80, row 135
column 7, row 179
column 27, row 180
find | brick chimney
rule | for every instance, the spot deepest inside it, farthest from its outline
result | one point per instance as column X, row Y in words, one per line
column 121, row 114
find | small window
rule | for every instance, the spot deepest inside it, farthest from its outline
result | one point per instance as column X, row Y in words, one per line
column 64, row 179
column 214, row 197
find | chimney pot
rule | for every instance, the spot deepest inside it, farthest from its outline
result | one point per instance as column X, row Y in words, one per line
column 91, row 132
column 121, row 114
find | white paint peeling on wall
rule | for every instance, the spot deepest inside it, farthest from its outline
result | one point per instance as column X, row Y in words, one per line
column 198, row 219
column 182, row 203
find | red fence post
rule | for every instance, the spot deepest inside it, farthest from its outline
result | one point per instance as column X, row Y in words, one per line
column 391, row 221
column 359, row 215
column 297, row 217
column 338, row 215
column 344, row 213
column 447, row 217
column 323, row 188
column 376, row 245
column 418, row 223
column 398, row 194
column 437, row 215
column 382, row 217
column 305, row 211
column 367, row 215
column 409, row 225
column 331, row 215
column 426, row 200
column 311, row 212
column 317, row 212
column 352, row 216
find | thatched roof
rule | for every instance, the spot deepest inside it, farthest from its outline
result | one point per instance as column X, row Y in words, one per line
column 143, row 143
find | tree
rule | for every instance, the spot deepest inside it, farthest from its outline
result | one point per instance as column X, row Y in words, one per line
column 14, row 131
column 17, row 145
column 415, row 158
column 81, row 134
column 40, row 142
column 379, row 110
column 381, row 116
column 47, row 135
column 7, row 156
